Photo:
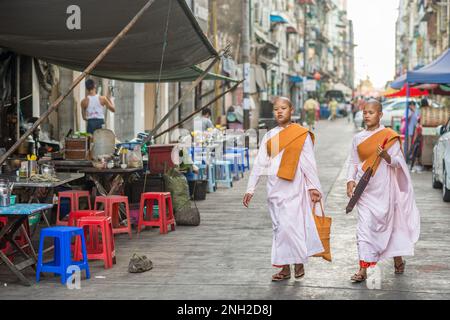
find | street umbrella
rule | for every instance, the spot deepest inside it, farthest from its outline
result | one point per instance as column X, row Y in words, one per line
column 362, row 184
column 413, row 92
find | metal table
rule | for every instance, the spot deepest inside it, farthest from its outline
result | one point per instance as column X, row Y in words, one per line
column 28, row 183
column 16, row 215
column 64, row 178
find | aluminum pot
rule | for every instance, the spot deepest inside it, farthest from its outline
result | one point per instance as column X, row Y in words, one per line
column 48, row 169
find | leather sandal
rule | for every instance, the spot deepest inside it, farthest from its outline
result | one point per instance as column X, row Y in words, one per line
column 400, row 269
column 280, row 277
column 300, row 274
column 357, row 278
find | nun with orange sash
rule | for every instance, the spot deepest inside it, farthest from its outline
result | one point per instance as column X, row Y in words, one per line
column 388, row 218
column 286, row 157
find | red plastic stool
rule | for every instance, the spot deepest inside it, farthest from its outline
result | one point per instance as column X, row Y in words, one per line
column 106, row 250
column 111, row 207
column 164, row 219
column 20, row 238
column 74, row 216
column 74, row 196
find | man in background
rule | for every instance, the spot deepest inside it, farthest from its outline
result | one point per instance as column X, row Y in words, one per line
column 94, row 106
column 333, row 105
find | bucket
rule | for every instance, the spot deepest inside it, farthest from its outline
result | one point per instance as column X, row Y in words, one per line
column 134, row 213
column 198, row 189
column 155, row 211
column 33, row 220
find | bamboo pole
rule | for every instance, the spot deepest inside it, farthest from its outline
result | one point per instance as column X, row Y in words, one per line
column 17, row 96
column 187, row 93
column 88, row 70
column 199, row 110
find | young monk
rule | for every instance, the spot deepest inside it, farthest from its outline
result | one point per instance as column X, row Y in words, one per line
column 286, row 156
column 388, row 218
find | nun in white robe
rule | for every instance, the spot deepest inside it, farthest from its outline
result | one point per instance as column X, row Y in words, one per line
column 295, row 236
column 388, row 218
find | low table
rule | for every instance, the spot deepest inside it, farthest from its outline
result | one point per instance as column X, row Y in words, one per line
column 16, row 215
column 109, row 181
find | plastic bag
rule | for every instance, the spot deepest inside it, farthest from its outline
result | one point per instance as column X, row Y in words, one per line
column 177, row 185
column 135, row 158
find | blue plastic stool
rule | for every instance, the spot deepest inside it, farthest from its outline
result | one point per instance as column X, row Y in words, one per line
column 63, row 255
column 245, row 157
column 223, row 173
column 212, row 185
column 202, row 174
column 234, row 160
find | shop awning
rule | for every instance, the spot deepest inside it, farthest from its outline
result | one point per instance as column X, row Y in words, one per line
column 278, row 18
column 342, row 87
column 437, row 72
column 181, row 75
column 42, row 29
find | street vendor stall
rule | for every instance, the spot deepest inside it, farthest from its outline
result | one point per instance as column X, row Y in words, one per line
column 438, row 73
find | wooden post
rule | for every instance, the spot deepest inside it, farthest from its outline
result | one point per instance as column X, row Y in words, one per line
column 187, row 93
column 88, row 70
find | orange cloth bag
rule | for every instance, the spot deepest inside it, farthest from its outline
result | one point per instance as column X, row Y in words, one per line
column 323, row 225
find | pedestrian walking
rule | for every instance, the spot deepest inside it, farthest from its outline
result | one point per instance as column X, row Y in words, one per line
column 310, row 108
column 286, row 156
column 388, row 218
column 333, row 105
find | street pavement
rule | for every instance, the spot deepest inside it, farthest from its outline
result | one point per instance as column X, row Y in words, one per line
column 228, row 255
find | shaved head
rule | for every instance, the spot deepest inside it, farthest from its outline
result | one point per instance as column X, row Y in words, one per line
column 376, row 104
column 283, row 99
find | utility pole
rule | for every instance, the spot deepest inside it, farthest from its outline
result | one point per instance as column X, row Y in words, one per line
column 305, row 58
column 217, row 108
column 246, row 60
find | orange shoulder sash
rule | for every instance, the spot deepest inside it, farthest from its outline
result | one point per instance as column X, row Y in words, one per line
column 367, row 150
column 291, row 140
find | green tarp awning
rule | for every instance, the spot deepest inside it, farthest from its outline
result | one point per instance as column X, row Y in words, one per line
column 39, row 28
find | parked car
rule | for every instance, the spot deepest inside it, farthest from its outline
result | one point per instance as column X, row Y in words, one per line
column 359, row 118
column 391, row 108
column 441, row 162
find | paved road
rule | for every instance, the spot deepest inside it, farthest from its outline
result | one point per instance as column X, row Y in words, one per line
column 228, row 256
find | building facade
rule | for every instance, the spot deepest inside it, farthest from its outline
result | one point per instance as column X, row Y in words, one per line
column 422, row 33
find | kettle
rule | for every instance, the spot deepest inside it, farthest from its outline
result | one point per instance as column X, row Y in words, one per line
column 5, row 193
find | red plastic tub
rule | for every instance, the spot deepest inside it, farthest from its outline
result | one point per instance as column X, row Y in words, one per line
column 159, row 155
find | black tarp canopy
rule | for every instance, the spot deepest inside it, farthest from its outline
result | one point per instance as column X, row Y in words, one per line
column 38, row 28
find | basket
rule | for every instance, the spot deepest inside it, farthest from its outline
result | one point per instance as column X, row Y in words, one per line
column 433, row 117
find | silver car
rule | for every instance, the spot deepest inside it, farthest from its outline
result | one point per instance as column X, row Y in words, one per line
column 393, row 109
column 387, row 105
column 441, row 162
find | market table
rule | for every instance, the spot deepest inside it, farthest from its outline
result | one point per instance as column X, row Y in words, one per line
column 16, row 215
column 108, row 181
column 63, row 178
